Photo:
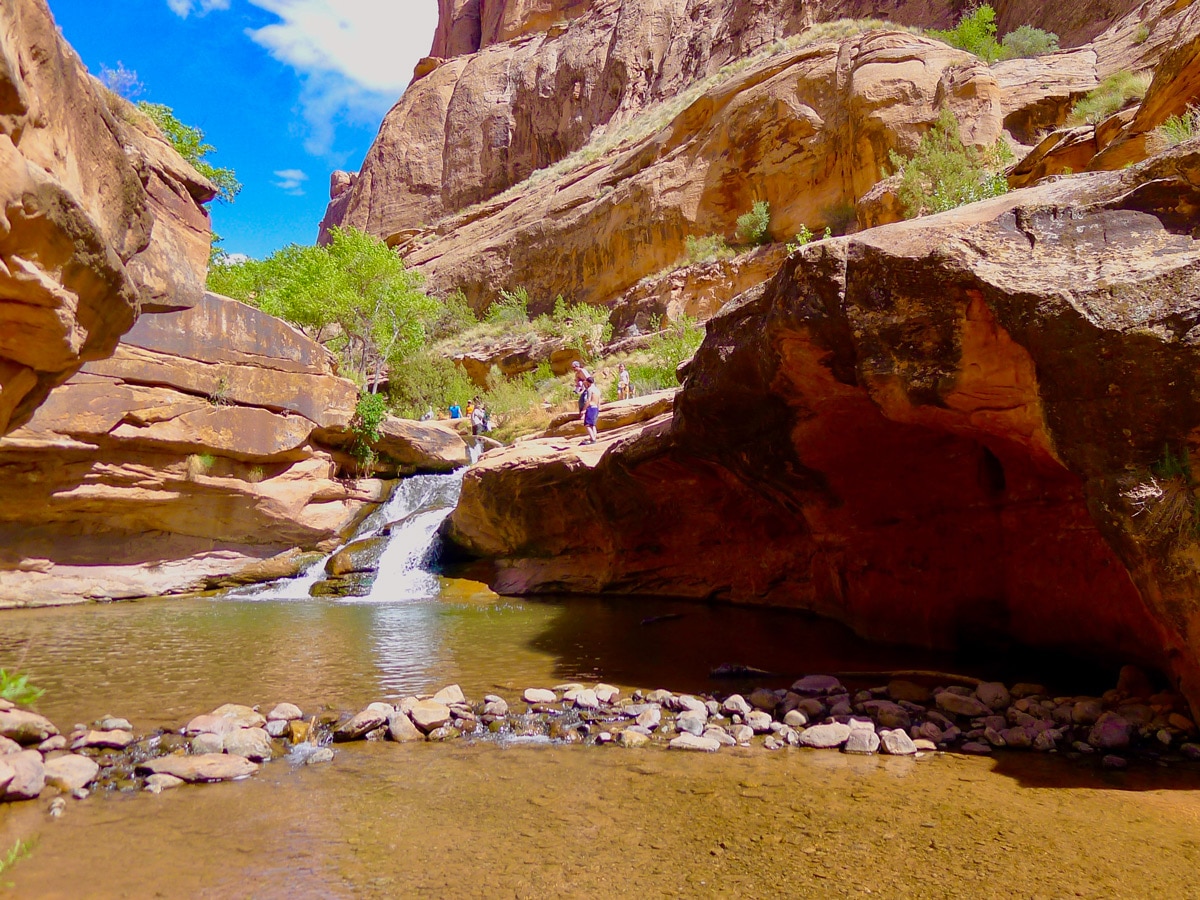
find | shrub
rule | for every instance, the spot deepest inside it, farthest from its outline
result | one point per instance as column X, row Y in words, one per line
column 975, row 33
column 1178, row 129
column 1114, row 93
column 582, row 325
column 1027, row 42
column 15, row 688
column 512, row 307
column 752, row 227
column 705, row 249
column 669, row 348
column 1167, row 499
column 369, row 414
column 945, row 173
column 1142, row 34
column 453, row 315
column 426, row 381
column 804, row 236
column 188, row 142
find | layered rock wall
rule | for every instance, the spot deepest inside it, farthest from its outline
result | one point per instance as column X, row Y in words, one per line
column 944, row 432
column 99, row 218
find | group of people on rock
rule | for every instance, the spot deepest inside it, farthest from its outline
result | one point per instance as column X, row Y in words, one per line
column 481, row 421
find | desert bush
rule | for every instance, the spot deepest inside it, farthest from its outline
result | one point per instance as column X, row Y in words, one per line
column 975, row 33
column 581, row 325
column 1178, row 129
column 753, row 227
column 453, row 315
column 705, row 249
column 945, row 173
column 1142, row 34
column 1027, row 42
column 1114, row 93
column 512, row 307
column 426, row 381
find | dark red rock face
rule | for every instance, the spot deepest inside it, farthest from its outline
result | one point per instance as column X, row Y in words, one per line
column 928, row 430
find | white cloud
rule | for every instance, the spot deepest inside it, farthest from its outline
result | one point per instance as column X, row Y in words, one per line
column 291, row 181
column 355, row 56
column 183, row 8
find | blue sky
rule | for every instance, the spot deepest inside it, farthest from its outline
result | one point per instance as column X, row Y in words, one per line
column 286, row 90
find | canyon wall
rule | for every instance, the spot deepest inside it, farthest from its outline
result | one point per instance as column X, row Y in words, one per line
column 950, row 431
column 99, row 217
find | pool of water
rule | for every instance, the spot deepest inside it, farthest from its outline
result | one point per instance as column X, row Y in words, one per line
column 477, row 819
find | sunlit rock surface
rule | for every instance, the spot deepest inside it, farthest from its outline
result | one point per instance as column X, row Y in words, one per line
column 942, row 432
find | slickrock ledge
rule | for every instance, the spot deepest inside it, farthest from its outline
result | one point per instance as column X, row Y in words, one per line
column 943, row 432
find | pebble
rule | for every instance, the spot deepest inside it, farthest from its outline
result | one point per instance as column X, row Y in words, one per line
column 536, row 695
column 252, row 743
column 1111, row 732
column 650, row 718
column 362, row 724
column 71, row 772
column 763, row 699
column 795, row 718
column 322, row 755
column 695, row 742
column 994, row 695
column 450, row 695
column 429, row 715
column 888, row 714
column 897, row 742
column 760, row 722
column 586, row 699
column 631, row 738
column 736, row 705
column 25, row 727
column 496, row 706
column 692, row 722
column 1112, row 761
column 58, row 742
column 8, row 745
column 241, row 716
column 817, row 686
column 688, row 703
column 923, row 745
column 721, row 736
column 277, row 728
column 207, row 742
column 863, row 741
column 976, row 748
column 114, row 723
column 958, row 705
column 28, row 775
column 161, row 781
column 606, row 693
column 741, row 733
column 284, row 712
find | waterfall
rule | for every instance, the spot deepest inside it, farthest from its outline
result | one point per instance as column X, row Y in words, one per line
column 412, row 514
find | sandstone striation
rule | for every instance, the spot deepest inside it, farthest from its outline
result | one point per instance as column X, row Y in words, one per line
column 943, row 432
column 99, row 217
column 209, row 446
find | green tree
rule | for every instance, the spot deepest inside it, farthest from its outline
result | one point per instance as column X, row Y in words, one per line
column 754, row 227
column 188, row 142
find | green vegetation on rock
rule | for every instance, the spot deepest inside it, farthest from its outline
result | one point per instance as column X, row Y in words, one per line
column 189, row 143
column 1178, row 129
column 945, row 173
column 1114, row 93
column 754, row 227
column 976, row 33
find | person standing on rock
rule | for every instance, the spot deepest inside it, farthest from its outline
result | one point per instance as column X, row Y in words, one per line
column 478, row 419
column 581, row 384
column 591, row 411
column 624, row 388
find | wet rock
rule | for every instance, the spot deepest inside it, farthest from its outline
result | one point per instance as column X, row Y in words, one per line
column 720, row 735
column 923, row 745
column 539, row 695
column 736, row 705
column 277, row 728
column 659, row 696
column 449, row 695
column 959, row 705
column 812, row 707
column 241, row 716
column 1134, row 682
column 1045, row 741
column 759, row 721
column 58, row 742
column 650, row 718
column 862, row 741
column 770, row 742
column 429, row 715
column 949, row 735
column 1086, row 711
column 1111, row 732
column 299, row 731
column 252, row 743
column 1017, row 738
column 10, row 746
column 444, row 733
column 284, row 712
column 695, row 742
column 114, row 740
column 825, row 737
column 113, row 723
column 994, row 737
column 402, row 730
column 817, row 686
column 994, row 695
column 841, row 708
column 161, row 781
column 928, row 731
column 631, row 738
column 606, row 693
column 900, row 689
column 205, row 767
column 897, row 742
column 318, row 756
column 363, row 724
column 206, row 742
column 686, row 703
column 1112, row 761
column 763, row 699
column 210, row 724
column 28, row 778
column 585, row 699
column 25, row 727
column 741, row 733
column 976, row 748
column 795, row 718
column 70, row 773
column 888, row 714
column 692, row 721
column 495, row 706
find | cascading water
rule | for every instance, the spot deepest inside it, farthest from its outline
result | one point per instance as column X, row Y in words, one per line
column 411, row 518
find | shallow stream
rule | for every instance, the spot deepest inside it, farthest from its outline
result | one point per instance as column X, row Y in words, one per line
column 485, row 818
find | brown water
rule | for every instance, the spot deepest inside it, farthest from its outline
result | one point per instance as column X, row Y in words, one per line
column 485, row 819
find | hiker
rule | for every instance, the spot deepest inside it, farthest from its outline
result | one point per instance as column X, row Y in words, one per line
column 455, row 411
column 624, row 388
column 581, row 383
column 591, row 410
column 479, row 420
